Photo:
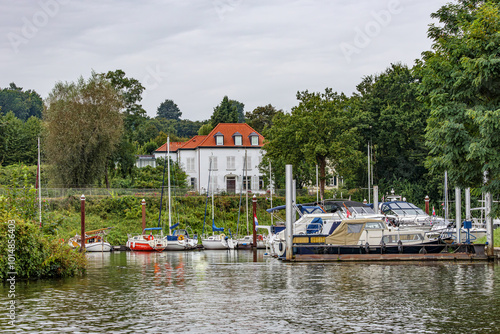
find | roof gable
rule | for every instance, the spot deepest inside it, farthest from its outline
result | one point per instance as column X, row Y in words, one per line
column 228, row 130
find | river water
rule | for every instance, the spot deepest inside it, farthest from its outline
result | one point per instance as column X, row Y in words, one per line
column 243, row 292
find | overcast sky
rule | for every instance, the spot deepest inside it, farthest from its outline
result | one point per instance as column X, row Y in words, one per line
column 195, row 52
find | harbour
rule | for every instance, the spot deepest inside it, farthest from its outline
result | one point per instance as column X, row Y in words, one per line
column 247, row 292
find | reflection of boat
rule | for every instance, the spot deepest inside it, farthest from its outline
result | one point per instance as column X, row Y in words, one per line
column 147, row 241
column 366, row 236
column 94, row 241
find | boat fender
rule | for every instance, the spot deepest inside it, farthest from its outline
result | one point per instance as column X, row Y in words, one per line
column 382, row 247
column 180, row 237
column 281, row 246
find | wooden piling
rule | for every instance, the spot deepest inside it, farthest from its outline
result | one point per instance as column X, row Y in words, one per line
column 427, row 199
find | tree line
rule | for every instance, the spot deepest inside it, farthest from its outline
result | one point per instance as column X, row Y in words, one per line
column 411, row 122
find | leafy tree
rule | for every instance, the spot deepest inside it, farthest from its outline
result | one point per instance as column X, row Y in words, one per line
column 262, row 117
column 84, row 125
column 22, row 104
column 318, row 131
column 18, row 139
column 461, row 84
column 205, row 129
column 239, row 110
column 168, row 110
column 225, row 112
column 393, row 122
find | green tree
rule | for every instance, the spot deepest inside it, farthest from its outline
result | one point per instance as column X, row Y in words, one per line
column 18, row 139
column 168, row 110
column 84, row 125
column 318, row 131
column 239, row 110
column 461, row 84
column 23, row 104
column 393, row 122
column 205, row 129
column 262, row 117
column 225, row 112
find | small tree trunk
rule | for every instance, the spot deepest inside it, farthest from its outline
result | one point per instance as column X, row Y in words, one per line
column 322, row 177
column 106, row 179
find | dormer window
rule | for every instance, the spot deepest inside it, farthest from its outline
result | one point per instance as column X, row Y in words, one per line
column 219, row 138
column 238, row 139
column 254, row 139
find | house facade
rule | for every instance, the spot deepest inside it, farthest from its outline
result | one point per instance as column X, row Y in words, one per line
column 229, row 156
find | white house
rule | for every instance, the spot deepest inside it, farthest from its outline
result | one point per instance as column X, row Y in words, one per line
column 229, row 156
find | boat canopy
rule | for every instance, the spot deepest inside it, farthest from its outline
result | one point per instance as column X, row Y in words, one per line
column 153, row 229
column 174, row 226
column 349, row 231
column 401, row 208
column 303, row 208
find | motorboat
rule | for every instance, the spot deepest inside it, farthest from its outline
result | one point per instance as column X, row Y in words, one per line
column 364, row 236
column 151, row 239
column 94, row 241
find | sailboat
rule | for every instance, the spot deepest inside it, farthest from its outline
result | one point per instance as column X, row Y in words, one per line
column 94, row 241
column 215, row 241
column 178, row 239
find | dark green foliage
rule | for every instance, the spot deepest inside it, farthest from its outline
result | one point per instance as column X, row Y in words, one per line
column 239, row 110
column 23, row 104
column 168, row 110
column 18, row 139
column 226, row 112
column 262, row 117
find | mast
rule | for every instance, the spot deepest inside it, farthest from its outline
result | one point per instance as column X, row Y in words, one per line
column 445, row 195
column 169, row 199
column 369, row 173
column 271, row 189
column 38, row 178
column 208, row 194
column 246, row 187
column 161, row 197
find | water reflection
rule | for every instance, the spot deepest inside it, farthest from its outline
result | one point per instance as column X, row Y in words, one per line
column 226, row 291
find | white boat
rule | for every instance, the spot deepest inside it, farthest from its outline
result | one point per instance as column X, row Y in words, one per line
column 218, row 241
column 94, row 241
column 180, row 240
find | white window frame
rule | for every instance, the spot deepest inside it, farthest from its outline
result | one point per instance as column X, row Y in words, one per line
column 238, row 140
column 219, row 140
column 254, row 140
column 248, row 165
column 231, row 162
column 190, row 164
column 214, row 162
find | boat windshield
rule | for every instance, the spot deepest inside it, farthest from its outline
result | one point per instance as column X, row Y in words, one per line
column 402, row 209
column 374, row 225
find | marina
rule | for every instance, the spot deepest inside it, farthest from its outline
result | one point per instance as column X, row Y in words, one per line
column 237, row 292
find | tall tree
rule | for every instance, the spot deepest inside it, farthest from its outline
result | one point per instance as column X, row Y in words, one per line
column 262, row 117
column 168, row 110
column 461, row 83
column 225, row 112
column 84, row 125
column 321, row 129
column 239, row 110
column 22, row 104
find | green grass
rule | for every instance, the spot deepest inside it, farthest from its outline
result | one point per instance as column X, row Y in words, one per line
column 496, row 238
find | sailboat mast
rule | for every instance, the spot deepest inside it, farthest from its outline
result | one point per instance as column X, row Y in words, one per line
column 38, row 170
column 213, row 210
column 208, row 194
column 246, row 188
column 271, row 188
column 168, row 176
column 445, row 195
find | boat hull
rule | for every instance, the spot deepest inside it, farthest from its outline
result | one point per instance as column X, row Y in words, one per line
column 214, row 244
column 98, row 247
column 147, row 246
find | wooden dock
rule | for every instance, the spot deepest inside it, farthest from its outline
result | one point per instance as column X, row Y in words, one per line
column 467, row 257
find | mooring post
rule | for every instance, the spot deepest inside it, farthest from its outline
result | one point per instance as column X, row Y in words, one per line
column 82, row 233
column 375, row 199
column 427, row 199
column 143, row 202
column 289, row 212
column 254, row 201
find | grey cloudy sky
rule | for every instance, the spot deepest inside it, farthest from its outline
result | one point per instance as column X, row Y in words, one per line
column 195, row 52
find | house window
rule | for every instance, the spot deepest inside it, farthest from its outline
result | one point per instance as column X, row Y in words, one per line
column 254, row 139
column 219, row 138
column 247, row 165
column 231, row 163
column 190, row 164
column 192, row 183
column 261, row 183
column 247, row 182
column 237, row 139
column 212, row 162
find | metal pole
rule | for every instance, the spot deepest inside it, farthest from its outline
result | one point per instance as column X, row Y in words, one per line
column 143, row 202
column 458, row 217
column 271, row 189
column 467, row 204
column 445, row 196
column 246, row 188
column 289, row 211
column 489, row 225
column 82, row 233
column 375, row 199
column 369, row 190
column 254, row 201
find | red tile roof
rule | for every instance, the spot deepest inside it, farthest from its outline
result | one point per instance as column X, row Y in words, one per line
column 174, row 146
column 227, row 130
